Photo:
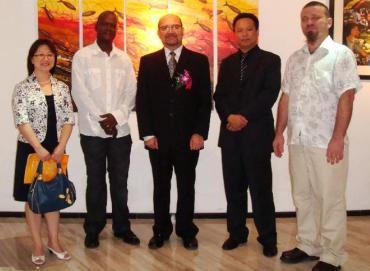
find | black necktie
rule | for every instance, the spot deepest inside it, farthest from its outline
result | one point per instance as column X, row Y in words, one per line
column 172, row 63
column 243, row 67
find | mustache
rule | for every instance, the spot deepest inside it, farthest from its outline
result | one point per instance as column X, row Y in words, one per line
column 169, row 35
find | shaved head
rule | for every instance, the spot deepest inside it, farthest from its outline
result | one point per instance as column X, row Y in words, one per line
column 167, row 16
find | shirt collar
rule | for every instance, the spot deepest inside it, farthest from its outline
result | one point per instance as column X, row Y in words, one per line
column 99, row 51
column 250, row 52
column 177, row 52
column 32, row 79
column 326, row 45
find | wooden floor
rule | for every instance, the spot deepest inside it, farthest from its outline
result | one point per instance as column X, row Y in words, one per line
column 113, row 254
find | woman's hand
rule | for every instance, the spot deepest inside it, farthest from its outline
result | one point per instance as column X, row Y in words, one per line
column 57, row 153
column 42, row 153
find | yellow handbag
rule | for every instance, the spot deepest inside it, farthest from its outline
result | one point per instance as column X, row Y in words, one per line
column 49, row 170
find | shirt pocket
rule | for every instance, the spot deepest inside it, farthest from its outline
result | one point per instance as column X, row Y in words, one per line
column 119, row 78
column 95, row 78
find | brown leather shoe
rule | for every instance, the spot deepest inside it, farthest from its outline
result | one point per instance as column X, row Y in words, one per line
column 323, row 266
column 296, row 256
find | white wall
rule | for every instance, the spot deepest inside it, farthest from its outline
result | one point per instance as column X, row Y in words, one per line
column 279, row 32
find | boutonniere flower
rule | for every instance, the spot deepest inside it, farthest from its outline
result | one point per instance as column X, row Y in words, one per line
column 184, row 80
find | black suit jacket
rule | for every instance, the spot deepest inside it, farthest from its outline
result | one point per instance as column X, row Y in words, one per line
column 252, row 98
column 173, row 114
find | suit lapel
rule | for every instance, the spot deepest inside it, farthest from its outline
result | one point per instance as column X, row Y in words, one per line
column 253, row 64
column 235, row 64
column 163, row 66
column 183, row 60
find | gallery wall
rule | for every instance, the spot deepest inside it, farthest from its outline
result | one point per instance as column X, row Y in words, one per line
column 279, row 32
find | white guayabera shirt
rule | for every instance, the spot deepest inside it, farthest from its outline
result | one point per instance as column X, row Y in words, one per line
column 314, row 83
column 103, row 84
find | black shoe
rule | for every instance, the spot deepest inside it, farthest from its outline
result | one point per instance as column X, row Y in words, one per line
column 323, row 266
column 230, row 243
column 270, row 250
column 128, row 237
column 190, row 243
column 296, row 256
column 91, row 240
column 157, row 241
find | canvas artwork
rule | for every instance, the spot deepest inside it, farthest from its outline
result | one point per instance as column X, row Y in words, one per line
column 351, row 27
column 207, row 26
column 59, row 21
column 141, row 27
column 90, row 12
column 356, row 29
column 226, row 12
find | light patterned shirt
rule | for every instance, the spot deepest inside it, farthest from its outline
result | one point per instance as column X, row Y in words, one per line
column 314, row 83
column 103, row 84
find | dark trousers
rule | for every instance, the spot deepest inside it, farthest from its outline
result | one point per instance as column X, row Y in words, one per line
column 99, row 152
column 184, row 163
column 243, row 170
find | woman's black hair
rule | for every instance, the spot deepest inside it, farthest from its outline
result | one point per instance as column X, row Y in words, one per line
column 32, row 52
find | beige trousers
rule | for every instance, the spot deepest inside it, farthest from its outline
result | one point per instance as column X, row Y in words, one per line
column 318, row 190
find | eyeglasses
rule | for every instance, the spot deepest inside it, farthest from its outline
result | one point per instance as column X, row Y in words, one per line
column 165, row 28
column 44, row 56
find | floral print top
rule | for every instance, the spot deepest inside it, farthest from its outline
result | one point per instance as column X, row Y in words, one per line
column 29, row 106
column 314, row 83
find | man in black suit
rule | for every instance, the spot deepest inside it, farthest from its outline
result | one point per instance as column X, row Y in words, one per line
column 247, row 88
column 173, row 106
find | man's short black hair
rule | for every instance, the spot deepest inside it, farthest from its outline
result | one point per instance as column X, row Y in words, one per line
column 317, row 3
column 248, row 16
column 105, row 14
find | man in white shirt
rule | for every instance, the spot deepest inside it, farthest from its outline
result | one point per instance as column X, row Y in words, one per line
column 316, row 105
column 104, row 89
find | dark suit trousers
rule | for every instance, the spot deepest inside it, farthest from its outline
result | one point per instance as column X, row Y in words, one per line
column 97, row 152
column 184, row 163
column 243, row 170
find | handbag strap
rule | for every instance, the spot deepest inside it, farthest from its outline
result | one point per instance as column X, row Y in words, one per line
column 40, row 166
column 59, row 168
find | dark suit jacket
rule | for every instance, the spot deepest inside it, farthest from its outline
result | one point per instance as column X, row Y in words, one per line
column 173, row 114
column 253, row 99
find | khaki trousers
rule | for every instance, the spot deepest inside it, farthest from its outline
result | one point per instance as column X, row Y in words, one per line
column 318, row 190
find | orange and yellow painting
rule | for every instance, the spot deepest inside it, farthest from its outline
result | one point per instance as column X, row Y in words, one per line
column 226, row 12
column 197, row 18
column 137, row 27
column 58, row 20
column 141, row 27
column 90, row 12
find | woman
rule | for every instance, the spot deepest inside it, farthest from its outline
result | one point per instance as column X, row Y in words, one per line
column 43, row 114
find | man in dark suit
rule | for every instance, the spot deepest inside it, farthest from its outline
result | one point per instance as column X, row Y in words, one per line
column 247, row 88
column 173, row 106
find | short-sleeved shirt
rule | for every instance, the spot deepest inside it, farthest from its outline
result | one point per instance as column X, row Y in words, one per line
column 314, row 83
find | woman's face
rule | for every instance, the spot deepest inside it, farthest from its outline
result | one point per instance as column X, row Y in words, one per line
column 43, row 59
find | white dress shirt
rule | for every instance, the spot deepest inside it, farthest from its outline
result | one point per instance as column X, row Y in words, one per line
column 101, row 84
column 314, row 83
column 177, row 52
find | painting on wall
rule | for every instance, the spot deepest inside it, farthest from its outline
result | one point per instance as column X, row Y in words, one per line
column 226, row 12
column 197, row 18
column 90, row 12
column 141, row 27
column 59, row 21
column 352, row 28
